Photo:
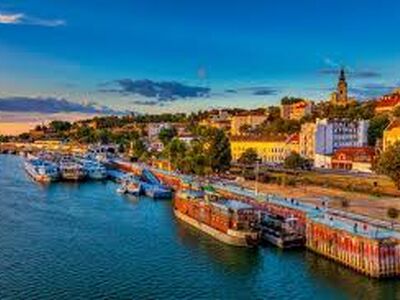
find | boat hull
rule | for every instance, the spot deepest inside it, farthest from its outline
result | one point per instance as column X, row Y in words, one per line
column 235, row 238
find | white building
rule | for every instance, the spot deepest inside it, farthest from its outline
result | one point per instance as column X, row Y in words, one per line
column 153, row 129
column 333, row 134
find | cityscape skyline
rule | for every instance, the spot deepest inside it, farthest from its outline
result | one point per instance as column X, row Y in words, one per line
column 155, row 57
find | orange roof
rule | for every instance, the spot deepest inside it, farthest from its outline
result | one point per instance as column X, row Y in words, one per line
column 370, row 151
column 293, row 139
column 259, row 138
column 389, row 100
column 394, row 124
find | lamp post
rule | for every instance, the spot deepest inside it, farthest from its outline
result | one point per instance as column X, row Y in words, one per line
column 257, row 173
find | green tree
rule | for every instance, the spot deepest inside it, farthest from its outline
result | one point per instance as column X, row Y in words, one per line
column 295, row 161
column 220, row 152
column 376, row 127
column 249, row 157
column 389, row 163
column 60, row 126
column 137, row 148
column 393, row 214
column 166, row 135
column 175, row 152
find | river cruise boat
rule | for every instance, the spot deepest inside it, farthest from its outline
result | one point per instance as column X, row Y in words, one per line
column 282, row 232
column 94, row 170
column 41, row 171
column 72, row 171
column 230, row 221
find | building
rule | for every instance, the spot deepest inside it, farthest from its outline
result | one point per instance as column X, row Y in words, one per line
column 333, row 134
column 340, row 96
column 307, row 140
column 388, row 103
column 270, row 149
column 358, row 159
column 251, row 119
column 296, row 110
column 391, row 134
column 153, row 129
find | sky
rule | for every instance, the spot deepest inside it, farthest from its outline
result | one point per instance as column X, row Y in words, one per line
column 98, row 56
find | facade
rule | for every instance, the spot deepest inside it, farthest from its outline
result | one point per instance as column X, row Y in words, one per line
column 307, row 140
column 270, row 149
column 153, row 129
column 297, row 110
column 357, row 159
column 250, row 119
column 331, row 135
column 391, row 134
column 388, row 103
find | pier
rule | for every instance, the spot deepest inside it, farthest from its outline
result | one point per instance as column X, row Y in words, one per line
column 365, row 245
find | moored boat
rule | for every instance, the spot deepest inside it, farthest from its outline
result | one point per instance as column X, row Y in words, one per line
column 94, row 169
column 229, row 221
column 71, row 171
column 41, row 171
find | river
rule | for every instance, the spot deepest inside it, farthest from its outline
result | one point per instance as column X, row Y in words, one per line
column 68, row 241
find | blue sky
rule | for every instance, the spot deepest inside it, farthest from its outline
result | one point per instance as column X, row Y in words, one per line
column 154, row 56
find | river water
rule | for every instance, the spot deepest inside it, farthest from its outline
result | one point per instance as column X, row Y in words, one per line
column 68, row 241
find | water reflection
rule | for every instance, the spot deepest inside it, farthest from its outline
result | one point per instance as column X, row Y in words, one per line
column 236, row 259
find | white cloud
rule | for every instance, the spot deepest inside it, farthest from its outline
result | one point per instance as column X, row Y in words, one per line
column 22, row 19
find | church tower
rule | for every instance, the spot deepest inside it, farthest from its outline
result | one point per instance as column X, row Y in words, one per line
column 340, row 97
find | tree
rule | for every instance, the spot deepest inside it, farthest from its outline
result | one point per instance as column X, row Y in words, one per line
column 249, row 157
column 389, row 163
column 220, row 152
column 60, row 126
column 166, row 135
column 376, row 127
column 175, row 152
column 392, row 213
column 396, row 112
column 295, row 161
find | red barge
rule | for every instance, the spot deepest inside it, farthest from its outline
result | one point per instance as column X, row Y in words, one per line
column 229, row 221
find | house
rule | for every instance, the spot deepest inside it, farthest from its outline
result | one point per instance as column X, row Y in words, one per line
column 307, row 140
column 333, row 134
column 250, row 119
column 270, row 149
column 358, row 159
column 295, row 110
column 388, row 103
column 391, row 134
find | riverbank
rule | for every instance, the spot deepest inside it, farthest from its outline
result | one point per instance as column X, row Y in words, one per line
column 361, row 203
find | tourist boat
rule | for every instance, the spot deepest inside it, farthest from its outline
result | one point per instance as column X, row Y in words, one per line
column 41, row 171
column 94, row 169
column 72, row 171
column 131, row 188
column 282, row 232
column 230, row 221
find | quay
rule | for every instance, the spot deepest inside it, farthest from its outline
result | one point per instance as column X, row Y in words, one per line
column 363, row 244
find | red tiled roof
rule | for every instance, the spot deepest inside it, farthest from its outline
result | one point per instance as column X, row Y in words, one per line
column 294, row 138
column 354, row 153
column 394, row 124
column 389, row 100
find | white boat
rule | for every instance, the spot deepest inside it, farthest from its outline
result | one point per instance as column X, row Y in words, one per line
column 42, row 171
column 72, row 171
column 94, row 169
column 131, row 188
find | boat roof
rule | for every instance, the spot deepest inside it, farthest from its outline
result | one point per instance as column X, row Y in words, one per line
column 232, row 204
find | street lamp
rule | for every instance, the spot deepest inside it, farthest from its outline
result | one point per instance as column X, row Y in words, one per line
column 257, row 173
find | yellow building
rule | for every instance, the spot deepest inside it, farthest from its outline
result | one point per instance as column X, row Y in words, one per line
column 250, row 119
column 391, row 134
column 307, row 140
column 297, row 110
column 270, row 149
